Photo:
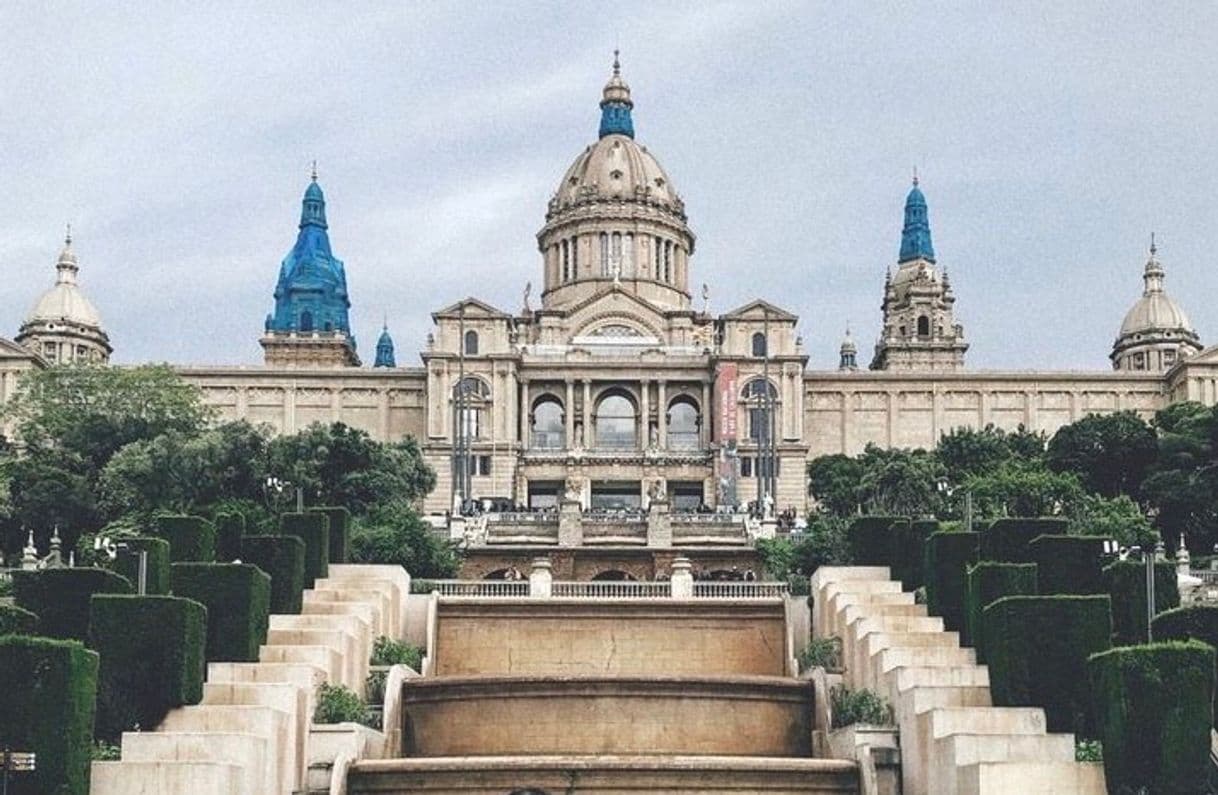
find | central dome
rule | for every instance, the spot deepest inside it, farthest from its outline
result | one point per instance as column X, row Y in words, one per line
column 616, row 168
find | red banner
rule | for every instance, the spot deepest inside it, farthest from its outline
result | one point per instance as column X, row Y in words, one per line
column 725, row 402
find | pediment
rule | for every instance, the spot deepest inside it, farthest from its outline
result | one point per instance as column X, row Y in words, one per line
column 1206, row 356
column 473, row 309
column 13, row 350
column 760, row 310
column 616, row 317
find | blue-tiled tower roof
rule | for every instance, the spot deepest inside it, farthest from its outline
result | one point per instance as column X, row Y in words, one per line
column 311, row 294
column 616, row 105
column 384, row 350
column 915, row 236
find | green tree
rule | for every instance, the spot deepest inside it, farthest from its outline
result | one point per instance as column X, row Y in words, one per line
column 833, row 481
column 1023, row 488
column 1110, row 453
column 1117, row 517
column 394, row 533
column 900, row 482
column 1182, row 485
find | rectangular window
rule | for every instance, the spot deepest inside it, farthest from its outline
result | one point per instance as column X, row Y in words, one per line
column 484, row 465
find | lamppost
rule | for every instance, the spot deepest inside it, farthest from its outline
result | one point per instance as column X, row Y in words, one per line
column 947, row 490
column 1149, row 557
column 110, row 548
column 16, row 762
column 278, row 486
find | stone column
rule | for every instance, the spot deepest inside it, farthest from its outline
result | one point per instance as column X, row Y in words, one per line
column 645, row 412
column 662, row 410
column 682, row 579
column 704, row 426
column 541, row 579
column 659, row 523
column 588, row 440
column 570, row 523
column 569, row 416
column 526, row 421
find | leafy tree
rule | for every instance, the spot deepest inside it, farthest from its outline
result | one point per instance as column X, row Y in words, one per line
column 46, row 492
column 1119, row 517
column 899, row 482
column 833, row 480
column 969, row 451
column 394, row 533
column 822, row 544
column 1023, row 488
column 1183, row 482
column 1110, row 453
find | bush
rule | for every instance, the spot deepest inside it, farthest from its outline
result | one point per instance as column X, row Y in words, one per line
column 374, row 685
column 338, row 704
column 17, row 621
column 314, row 530
column 821, row 653
column 1069, row 564
column 105, row 752
column 1037, row 649
column 151, row 651
column 60, row 597
column 237, row 597
column 282, row 558
column 871, row 539
column 947, row 557
column 128, row 563
column 394, row 534
column 823, row 543
column 1009, row 540
column 1196, row 622
column 1152, row 709
column 340, row 538
column 230, row 528
column 858, row 706
column 47, row 700
column 192, row 539
column 909, row 549
column 987, row 583
column 387, row 651
column 1127, row 587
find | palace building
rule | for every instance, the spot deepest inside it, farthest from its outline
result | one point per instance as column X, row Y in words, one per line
column 615, row 387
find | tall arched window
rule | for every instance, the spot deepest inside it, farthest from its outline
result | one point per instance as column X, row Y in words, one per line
column 627, row 256
column 548, row 430
column 471, row 343
column 759, row 344
column 306, row 321
column 616, row 428
column 656, row 266
column 575, row 257
column 606, row 267
column 566, row 261
column 668, row 261
column 684, row 425
column 761, row 399
column 472, row 398
column 923, row 326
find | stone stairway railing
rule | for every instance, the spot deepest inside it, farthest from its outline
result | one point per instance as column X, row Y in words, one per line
column 953, row 741
column 252, row 733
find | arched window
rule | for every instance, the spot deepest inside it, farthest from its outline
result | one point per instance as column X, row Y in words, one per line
column 923, row 326
column 759, row 344
column 575, row 257
column 306, row 321
column 668, row 261
column 566, row 261
column 616, row 428
column 761, row 398
column 684, row 425
column 471, row 343
column 472, row 398
column 627, row 256
column 548, row 430
column 656, row 265
column 606, row 267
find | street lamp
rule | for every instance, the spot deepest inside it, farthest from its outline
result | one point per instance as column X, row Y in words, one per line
column 947, row 490
column 278, row 486
column 16, row 762
column 110, row 548
column 1149, row 557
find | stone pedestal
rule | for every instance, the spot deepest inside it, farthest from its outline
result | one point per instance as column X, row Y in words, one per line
column 682, row 579
column 540, row 579
column 570, row 523
column 768, row 528
column 456, row 527
column 659, row 523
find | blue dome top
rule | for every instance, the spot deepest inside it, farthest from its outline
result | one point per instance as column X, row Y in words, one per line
column 314, row 192
column 384, row 350
column 616, row 105
column 915, row 235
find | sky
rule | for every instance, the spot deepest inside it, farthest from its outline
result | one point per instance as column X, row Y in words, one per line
column 1051, row 139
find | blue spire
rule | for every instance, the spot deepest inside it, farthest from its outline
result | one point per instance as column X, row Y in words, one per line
column 384, row 350
column 915, row 236
column 616, row 104
column 311, row 294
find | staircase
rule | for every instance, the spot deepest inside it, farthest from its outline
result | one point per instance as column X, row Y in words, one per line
column 953, row 741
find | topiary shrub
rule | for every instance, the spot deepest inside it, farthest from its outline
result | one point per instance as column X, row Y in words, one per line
column 1037, row 649
column 1009, row 540
column 1069, row 564
column 128, row 563
column 151, row 651
column 47, row 701
column 1127, row 587
column 988, row 582
column 338, row 704
column 283, row 559
column 191, row 538
column 871, row 540
column 60, row 597
column 237, row 597
column 17, row 621
column 230, row 528
column 340, row 538
column 909, row 543
column 1152, row 709
column 1195, row 622
column 946, row 559
column 314, row 530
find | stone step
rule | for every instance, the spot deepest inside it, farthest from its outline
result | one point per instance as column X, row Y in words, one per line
column 329, row 660
column 344, row 594
column 916, row 657
column 946, row 721
column 833, row 605
column 265, row 722
column 866, row 666
column 951, row 753
column 165, row 778
column 370, row 614
column 292, row 699
column 249, row 752
column 354, row 670
column 1031, row 778
column 864, row 625
column 853, row 612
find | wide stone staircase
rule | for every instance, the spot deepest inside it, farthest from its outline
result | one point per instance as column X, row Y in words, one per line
column 253, row 733
column 953, row 740
column 566, row 695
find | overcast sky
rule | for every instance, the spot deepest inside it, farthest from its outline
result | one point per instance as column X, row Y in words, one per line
column 1051, row 139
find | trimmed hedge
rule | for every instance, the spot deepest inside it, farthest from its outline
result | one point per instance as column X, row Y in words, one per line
column 340, row 533
column 1008, row 540
column 314, row 530
column 191, row 538
column 909, row 543
column 283, row 559
column 230, row 527
column 60, row 597
column 47, row 701
column 237, row 597
column 947, row 557
column 870, row 539
column 1127, row 586
column 151, row 651
column 128, row 563
column 1069, row 564
column 17, row 621
column 1037, row 649
column 1152, row 709
column 988, row 582
column 1196, row 622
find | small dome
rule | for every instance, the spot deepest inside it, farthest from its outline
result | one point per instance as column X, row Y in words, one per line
column 848, row 345
column 1156, row 312
column 65, row 302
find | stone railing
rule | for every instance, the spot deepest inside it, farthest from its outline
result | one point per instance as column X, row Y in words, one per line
column 600, row 589
column 472, row 587
column 708, row 528
column 732, row 589
column 523, row 518
column 612, row 589
column 521, row 528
